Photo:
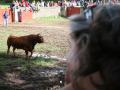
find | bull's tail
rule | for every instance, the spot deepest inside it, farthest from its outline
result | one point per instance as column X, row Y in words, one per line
column 8, row 44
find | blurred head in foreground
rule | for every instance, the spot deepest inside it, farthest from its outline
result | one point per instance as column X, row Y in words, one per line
column 94, row 60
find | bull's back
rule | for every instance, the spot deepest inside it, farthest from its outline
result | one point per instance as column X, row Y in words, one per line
column 18, row 42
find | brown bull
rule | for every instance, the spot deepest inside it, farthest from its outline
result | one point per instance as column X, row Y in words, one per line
column 26, row 43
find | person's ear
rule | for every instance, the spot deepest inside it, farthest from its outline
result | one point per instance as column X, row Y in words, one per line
column 83, row 40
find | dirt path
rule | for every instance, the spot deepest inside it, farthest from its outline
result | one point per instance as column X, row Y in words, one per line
column 39, row 26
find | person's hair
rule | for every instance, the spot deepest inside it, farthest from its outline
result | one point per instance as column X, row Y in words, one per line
column 97, row 47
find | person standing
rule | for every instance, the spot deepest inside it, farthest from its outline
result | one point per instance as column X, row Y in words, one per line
column 5, row 18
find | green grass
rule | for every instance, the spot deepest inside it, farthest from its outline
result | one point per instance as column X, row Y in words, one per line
column 9, row 62
column 4, row 6
column 52, row 20
column 49, row 20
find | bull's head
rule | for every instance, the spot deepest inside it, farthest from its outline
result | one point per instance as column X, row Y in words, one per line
column 40, row 38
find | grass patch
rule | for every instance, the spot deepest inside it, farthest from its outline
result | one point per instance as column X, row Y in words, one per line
column 10, row 62
column 49, row 20
column 5, row 6
column 40, row 61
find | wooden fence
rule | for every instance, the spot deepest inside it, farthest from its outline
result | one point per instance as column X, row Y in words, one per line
column 25, row 15
column 1, row 15
column 72, row 10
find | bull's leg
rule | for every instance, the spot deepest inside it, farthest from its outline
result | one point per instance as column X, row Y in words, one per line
column 26, row 52
column 8, row 49
column 14, row 51
column 31, row 53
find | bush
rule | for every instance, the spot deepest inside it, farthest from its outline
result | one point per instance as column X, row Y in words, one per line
column 7, row 1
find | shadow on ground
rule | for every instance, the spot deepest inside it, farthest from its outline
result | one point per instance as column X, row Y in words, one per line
column 17, row 73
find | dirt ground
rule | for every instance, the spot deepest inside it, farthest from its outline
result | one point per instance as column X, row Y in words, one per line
column 34, row 78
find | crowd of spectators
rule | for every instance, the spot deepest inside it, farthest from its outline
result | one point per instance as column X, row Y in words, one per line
column 35, row 6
